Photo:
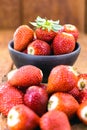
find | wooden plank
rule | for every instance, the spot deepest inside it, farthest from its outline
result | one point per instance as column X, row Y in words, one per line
column 81, row 63
column 9, row 13
column 5, row 59
column 85, row 24
column 68, row 11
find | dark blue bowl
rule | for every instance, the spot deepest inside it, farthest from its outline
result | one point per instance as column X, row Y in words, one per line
column 45, row 63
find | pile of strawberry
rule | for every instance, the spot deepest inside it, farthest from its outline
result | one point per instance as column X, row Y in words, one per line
column 29, row 104
column 48, row 38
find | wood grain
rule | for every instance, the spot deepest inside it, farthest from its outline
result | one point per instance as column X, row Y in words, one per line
column 16, row 12
column 68, row 11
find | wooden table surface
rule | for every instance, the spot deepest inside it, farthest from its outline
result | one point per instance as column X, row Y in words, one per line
column 6, row 63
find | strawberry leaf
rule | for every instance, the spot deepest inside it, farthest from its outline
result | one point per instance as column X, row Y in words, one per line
column 47, row 24
column 56, row 27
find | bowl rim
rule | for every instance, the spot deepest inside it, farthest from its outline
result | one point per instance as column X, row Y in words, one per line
column 11, row 43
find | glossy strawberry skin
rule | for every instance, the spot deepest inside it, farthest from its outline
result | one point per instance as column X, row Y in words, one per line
column 43, row 85
column 39, row 47
column 72, row 29
column 22, row 118
column 9, row 97
column 63, row 102
column 61, row 78
column 82, row 112
column 22, row 36
column 36, row 98
column 82, row 96
column 45, row 35
column 63, row 43
column 26, row 76
column 75, row 93
column 55, row 120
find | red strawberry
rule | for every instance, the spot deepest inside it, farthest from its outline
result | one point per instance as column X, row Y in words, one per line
column 22, row 36
column 82, row 112
column 25, row 51
column 69, row 28
column 63, row 102
column 82, row 96
column 43, row 85
column 20, row 117
column 46, row 29
column 62, row 78
column 36, row 98
column 75, row 93
column 25, row 76
column 39, row 47
column 44, row 34
column 82, row 81
column 9, row 97
column 54, row 120
column 63, row 43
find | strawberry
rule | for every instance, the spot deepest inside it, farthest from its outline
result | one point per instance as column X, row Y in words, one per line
column 25, row 51
column 22, row 36
column 63, row 102
column 75, row 93
column 9, row 97
column 25, row 76
column 20, row 117
column 63, row 43
column 62, row 78
column 54, row 120
column 43, row 85
column 69, row 28
column 82, row 96
column 45, row 35
column 46, row 30
column 36, row 98
column 82, row 112
column 82, row 81
column 39, row 47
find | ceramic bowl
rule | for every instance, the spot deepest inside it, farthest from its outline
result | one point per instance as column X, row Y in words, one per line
column 45, row 63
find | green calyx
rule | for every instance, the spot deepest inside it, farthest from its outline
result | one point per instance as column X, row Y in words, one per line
column 47, row 24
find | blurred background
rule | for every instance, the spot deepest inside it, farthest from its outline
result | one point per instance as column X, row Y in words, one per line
column 16, row 12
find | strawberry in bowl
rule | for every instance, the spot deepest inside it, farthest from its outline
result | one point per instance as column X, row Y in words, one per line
column 48, row 46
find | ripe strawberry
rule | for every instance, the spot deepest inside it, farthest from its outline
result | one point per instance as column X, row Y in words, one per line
column 54, row 120
column 45, row 35
column 75, row 93
column 46, row 30
column 39, row 47
column 36, row 98
column 20, row 117
column 22, row 36
column 63, row 102
column 82, row 96
column 69, row 28
column 62, row 78
column 82, row 112
column 82, row 81
column 25, row 76
column 25, row 51
column 43, row 85
column 9, row 97
column 63, row 43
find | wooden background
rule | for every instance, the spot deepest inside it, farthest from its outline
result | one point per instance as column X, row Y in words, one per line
column 16, row 12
